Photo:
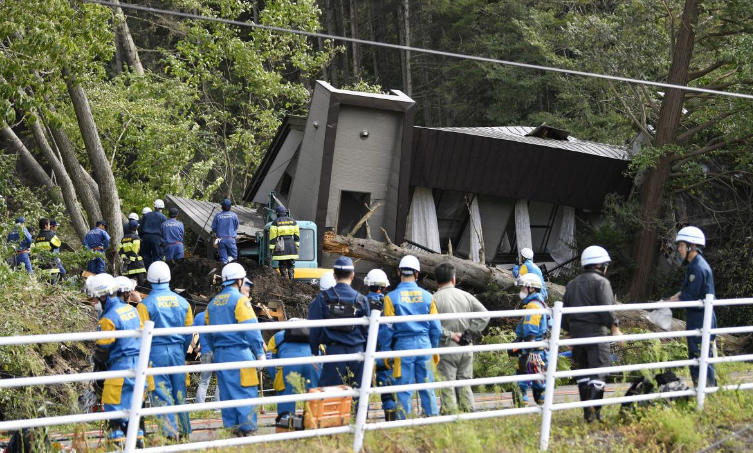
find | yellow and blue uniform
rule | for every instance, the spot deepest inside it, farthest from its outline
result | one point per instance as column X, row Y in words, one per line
column 121, row 353
column 533, row 328
column 409, row 299
column 97, row 240
column 129, row 249
column 339, row 340
column 21, row 240
column 172, row 239
column 529, row 266
column 225, row 227
column 288, row 344
column 383, row 367
column 232, row 307
column 47, row 241
column 167, row 309
column 151, row 237
column 698, row 281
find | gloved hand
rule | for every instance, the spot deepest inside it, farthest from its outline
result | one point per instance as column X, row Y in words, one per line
column 261, row 357
column 269, row 355
column 516, row 271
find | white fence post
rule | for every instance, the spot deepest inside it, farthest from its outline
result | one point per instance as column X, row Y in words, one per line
column 551, row 368
column 137, row 399
column 365, row 382
column 708, row 311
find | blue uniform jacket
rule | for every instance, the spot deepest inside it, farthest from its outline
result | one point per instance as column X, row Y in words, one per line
column 199, row 321
column 318, row 309
column 225, row 224
column 166, row 309
column 97, row 239
column 698, row 281
column 533, row 325
column 20, row 244
column 409, row 299
column 118, row 315
column 530, row 267
column 232, row 307
column 172, row 231
column 152, row 222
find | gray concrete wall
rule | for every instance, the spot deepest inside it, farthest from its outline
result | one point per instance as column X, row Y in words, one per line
column 366, row 165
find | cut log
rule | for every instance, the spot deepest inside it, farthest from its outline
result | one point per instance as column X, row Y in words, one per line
column 480, row 277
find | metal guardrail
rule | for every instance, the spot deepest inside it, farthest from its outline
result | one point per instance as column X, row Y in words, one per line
column 368, row 357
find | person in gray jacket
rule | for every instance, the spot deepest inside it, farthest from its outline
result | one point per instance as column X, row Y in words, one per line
column 456, row 332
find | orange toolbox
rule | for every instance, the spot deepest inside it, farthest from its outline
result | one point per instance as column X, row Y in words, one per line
column 327, row 412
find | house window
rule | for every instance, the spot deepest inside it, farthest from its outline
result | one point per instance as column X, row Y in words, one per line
column 353, row 206
column 452, row 216
column 285, row 183
column 545, row 219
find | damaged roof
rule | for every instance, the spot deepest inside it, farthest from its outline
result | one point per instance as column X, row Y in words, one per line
column 505, row 162
column 198, row 216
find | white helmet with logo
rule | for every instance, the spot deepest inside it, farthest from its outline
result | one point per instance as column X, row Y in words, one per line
column 159, row 204
column 526, row 253
column 376, row 277
column 410, row 262
column 594, row 255
column 691, row 235
column 327, row 281
column 530, row 280
column 232, row 272
column 103, row 285
column 125, row 284
column 159, row 272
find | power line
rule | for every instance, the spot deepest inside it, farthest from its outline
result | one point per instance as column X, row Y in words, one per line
column 420, row 49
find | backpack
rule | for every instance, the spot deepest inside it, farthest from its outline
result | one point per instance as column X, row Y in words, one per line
column 341, row 310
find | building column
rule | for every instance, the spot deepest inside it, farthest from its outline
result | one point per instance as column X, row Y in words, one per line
column 522, row 226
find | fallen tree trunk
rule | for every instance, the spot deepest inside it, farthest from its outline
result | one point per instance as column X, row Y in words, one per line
column 480, row 276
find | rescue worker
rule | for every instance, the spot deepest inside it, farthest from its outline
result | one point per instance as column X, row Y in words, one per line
column 456, row 332
column 526, row 265
column 698, row 281
column 340, row 302
column 230, row 306
column 129, row 248
column 225, row 228
column 97, row 240
column 287, row 344
column 172, row 237
column 591, row 288
column 531, row 328
column 409, row 299
column 205, row 377
column 378, row 283
column 167, row 309
column 126, row 291
column 54, row 225
column 116, row 354
column 44, row 245
column 21, row 240
column 150, row 230
column 284, row 241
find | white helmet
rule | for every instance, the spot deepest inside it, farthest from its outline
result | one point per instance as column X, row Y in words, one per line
column 410, row 262
column 530, row 280
column 526, row 253
column 133, row 216
column 159, row 272
column 125, row 284
column 159, row 204
column 146, row 211
column 232, row 272
column 103, row 285
column 376, row 277
column 594, row 255
column 691, row 235
column 88, row 286
column 327, row 281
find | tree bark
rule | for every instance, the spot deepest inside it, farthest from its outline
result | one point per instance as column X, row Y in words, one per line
column 27, row 160
column 78, row 175
column 332, row 30
column 645, row 244
column 66, row 185
column 108, row 190
column 354, row 34
column 130, row 52
column 404, row 26
column 344, row 54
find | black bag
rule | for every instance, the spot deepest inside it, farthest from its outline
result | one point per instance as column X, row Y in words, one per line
column 376, row 302
column 28, row 440
column 300, row 335
column 341, row 310
column 667, row 382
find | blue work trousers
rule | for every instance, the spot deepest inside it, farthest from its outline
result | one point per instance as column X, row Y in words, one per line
column 342, row 373
column 22, row 259
column 384, row 379
column 227, row 249
column 694, row 351
column 234, row 385
column 170, row 389
column 419, row 369
column 151, row 249
column 173, row 251
column 118, row 392
column 96, row 266
column 309, row 373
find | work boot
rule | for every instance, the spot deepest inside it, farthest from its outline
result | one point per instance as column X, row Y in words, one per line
column 587, row 411
column 538, row 396
column 116, row 434
column 596, row 392
column 390, row 415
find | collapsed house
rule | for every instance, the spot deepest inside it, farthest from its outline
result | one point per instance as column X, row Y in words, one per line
column 481, row 192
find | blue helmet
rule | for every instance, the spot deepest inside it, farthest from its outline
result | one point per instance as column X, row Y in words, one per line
column 133, row 225
column 21, row 220
column 226, row 202
column 280, row 209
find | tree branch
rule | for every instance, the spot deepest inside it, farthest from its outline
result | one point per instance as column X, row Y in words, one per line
column 707, row 149
column 692, row 131
column 698, row 74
